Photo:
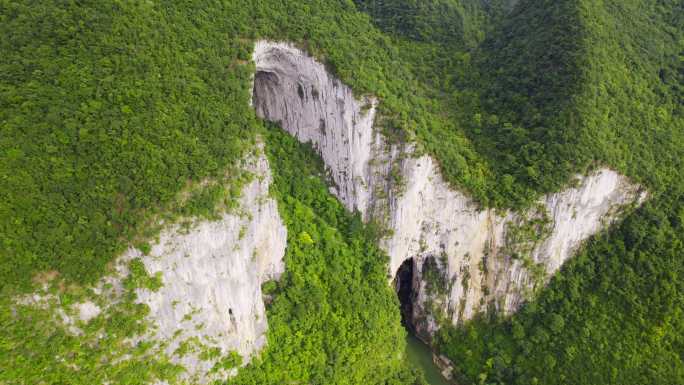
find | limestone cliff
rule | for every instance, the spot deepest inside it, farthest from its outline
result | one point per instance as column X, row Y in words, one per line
column 467, row 259
column 212, row 277
column 208, row 302
column 292, row 89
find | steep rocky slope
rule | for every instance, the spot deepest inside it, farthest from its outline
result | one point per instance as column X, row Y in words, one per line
column 204, row 287
column 212, row 276
column 480, row 258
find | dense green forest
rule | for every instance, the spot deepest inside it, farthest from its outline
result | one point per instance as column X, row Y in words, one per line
column 108, row 110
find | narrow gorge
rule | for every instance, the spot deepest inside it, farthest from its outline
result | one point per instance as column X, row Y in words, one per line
column 342, row 192
column 463, row 259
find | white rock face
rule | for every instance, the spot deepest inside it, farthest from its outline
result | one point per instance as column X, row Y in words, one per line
column 479, row 256
column 212, row 276
column 477, row 252
column 297, row 92
column 87, row 311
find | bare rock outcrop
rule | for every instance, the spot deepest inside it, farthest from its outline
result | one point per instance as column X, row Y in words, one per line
column 206, row 304
column 468, row 259
column 212, row 277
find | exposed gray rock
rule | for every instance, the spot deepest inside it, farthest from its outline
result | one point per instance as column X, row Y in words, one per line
column 68, row 315
column 445, row 366
column 298, row 93
column 211, row 276
column 481, row 257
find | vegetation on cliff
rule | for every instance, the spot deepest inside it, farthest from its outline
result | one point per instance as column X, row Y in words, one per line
column 334, row 319
column 108, row 110
column 556, row 88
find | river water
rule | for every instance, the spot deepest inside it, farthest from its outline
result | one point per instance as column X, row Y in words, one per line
column 420, row 356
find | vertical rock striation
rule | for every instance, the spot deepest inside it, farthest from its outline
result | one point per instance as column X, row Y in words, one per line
column 298, row 93
column 467, row 259
column 206, row 303
column 212, row 276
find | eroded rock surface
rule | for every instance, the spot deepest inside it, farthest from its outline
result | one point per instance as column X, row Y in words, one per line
column 297, row 92
column 207, row 302
column 481, row 259
column 212, row 276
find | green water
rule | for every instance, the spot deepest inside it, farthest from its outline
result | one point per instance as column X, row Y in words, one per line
column 420, row 356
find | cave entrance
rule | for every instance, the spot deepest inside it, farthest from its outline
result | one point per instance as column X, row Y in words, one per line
column 403, row 284
column 419, row 353
column 266, row 87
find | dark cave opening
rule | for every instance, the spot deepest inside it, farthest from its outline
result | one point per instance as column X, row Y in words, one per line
column 403, row 283
column 266, row 87
column 419, row 351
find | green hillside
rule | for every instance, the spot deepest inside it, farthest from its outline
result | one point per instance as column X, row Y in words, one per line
column 559, row 87
column 556, row 88
column 109, row 111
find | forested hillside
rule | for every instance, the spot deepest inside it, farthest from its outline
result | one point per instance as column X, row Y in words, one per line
column 611, row 96
column 109, row 111
column 555, row 88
